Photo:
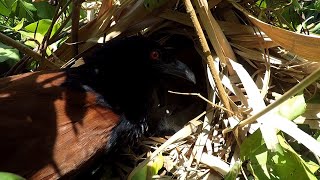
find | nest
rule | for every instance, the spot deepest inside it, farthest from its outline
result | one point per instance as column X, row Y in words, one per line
column 244, row 69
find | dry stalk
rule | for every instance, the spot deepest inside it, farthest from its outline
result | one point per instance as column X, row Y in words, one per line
column 203, row 98
column 209, row 59
column 7, row 40
column 293, row 91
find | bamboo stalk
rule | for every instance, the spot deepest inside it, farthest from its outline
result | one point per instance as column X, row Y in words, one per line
column 209, row 59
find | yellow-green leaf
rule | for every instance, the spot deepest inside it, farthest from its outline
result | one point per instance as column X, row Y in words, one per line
column 293, row 107
column 10, row 176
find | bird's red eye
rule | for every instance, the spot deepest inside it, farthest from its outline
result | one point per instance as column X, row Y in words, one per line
column 154, row 55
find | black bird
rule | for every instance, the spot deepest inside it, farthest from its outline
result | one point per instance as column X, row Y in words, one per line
column 55, row 123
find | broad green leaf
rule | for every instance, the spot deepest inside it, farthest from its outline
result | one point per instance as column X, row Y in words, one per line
column 251, row 144
column 292, row 162
column 42, row 27
column 44, row 10
column 141, row 175
column 293, row 107
column 29, row 35
column 26, row 36
column 274, row 165
column 28, row 6
column 10, row 176
column 4, row 8
column 8, row 54
column 11, row 4
column 24, row 9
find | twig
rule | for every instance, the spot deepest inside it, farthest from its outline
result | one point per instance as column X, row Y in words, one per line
column 209, row 58
column 203, row 98
column 63, row 9
column 47, row 35
column 75, row 25
column 7, row 40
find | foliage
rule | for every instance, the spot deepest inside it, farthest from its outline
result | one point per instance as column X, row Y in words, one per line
column 295, row 15
column 10, row 176
column 28, row 23
column 265, row 164
column 149, row 170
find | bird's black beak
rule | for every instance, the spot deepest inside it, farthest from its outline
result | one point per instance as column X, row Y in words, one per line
column 176, row 69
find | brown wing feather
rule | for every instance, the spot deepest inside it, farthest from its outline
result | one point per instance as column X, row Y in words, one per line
column 47, row 130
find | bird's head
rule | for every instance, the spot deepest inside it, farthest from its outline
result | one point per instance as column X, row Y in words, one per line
column 140, row 57
column 166, row 65
column 125, row 71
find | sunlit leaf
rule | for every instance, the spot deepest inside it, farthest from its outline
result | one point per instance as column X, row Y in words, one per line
column 150, row 169
column 42, row 27
column 10, row 176
column 155, row 165
column 293, row 107
column 264, row 164
column 19, row 25
column 8, row 54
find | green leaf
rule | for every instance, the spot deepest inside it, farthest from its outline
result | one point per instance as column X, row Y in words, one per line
column 11, row 4
column 261, row 4
column 10, row 176
column 316, row 29
column 293, row 107
column 26, row 36
column 264, row 164
column 8, row 54
column 4, row 8
column 29, row 35
column 42, row 27
column 152, row 168
column 317, row 5
column 141, row 175
column 24, row 9
column 233, row 173
column 45, row 10
column 155, row 165
column 19, row 25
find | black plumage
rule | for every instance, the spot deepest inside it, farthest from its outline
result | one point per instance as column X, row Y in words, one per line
column 54, row 123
